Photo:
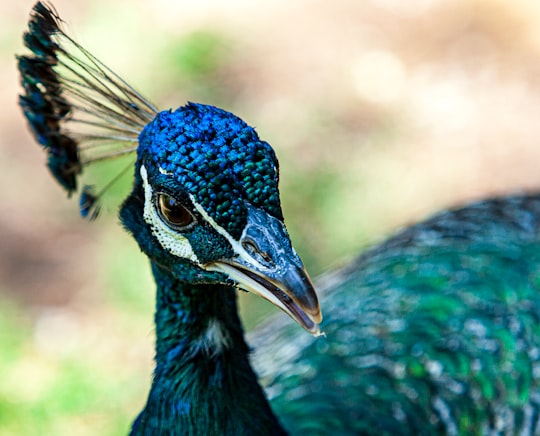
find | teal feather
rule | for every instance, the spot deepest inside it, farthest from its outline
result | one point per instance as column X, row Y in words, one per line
column 190, row 373
column 434, row 331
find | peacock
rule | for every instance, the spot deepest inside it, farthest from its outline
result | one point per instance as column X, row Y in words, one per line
column 435, row 331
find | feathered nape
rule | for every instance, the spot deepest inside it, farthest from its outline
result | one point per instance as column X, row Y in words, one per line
column 77, row 108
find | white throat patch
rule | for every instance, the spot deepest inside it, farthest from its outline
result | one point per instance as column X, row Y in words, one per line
column 214, row 340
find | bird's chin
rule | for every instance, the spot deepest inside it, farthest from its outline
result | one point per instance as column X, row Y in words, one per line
column 300, row 304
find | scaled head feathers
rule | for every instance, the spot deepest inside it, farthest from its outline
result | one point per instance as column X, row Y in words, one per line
column 216, row 157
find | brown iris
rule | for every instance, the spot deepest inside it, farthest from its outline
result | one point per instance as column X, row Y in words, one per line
column 173, row 211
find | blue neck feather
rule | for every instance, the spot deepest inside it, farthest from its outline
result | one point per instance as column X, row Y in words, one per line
column 203, row 378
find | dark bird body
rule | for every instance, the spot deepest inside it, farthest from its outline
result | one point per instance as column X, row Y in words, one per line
column 434, row 331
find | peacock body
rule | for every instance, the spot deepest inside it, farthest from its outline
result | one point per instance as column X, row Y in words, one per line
column 432, row 332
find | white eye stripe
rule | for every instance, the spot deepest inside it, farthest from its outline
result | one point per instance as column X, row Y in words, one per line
column 170, row 240
column 237, row 246
column 162, row 171
column 174, row 242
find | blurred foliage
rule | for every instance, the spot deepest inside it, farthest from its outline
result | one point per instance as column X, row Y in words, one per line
column 39, row 388
column 198, row 55
column 197, row 64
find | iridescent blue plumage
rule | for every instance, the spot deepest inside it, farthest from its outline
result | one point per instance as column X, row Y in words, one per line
column 436, row 331
column 87, row 203
column 215, row 155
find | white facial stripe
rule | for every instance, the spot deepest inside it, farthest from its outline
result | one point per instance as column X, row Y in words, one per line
column 170, row 240
column 162, row 171
column 237, row 247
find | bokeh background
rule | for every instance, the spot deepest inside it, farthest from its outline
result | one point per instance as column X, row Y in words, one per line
column 381, row 112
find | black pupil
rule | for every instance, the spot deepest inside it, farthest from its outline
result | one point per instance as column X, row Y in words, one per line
column 173, row 211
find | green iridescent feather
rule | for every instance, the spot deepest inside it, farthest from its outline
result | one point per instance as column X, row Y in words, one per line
column 436, row 331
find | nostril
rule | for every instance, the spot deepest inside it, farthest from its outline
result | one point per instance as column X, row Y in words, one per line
column 249, row 246
column 265, row 256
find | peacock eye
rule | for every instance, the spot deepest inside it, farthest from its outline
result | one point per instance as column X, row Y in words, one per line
column 173, row 212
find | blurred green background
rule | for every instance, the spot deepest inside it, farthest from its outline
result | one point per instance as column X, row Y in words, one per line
column 381, row 112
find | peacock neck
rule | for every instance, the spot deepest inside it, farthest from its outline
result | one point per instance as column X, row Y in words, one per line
column 203, row 382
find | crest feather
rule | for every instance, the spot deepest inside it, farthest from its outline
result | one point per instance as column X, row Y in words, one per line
column 79, row 110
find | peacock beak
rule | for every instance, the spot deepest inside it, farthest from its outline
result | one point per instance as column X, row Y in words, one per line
column 294, row 293
column 266, row 264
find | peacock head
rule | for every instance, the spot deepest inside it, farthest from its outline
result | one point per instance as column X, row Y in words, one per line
column 205, row 205
column 205, row 201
